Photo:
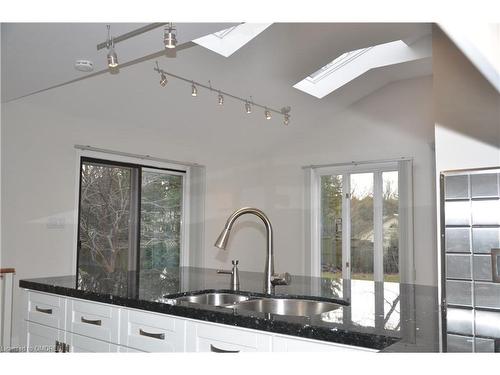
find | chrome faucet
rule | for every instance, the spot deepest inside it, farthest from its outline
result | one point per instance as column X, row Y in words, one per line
column 270, row 279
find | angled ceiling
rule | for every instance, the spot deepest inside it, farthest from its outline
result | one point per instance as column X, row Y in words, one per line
column 38, row 56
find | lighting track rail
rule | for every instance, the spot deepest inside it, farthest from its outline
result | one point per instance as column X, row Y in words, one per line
column 285, row 111
column 131, row 34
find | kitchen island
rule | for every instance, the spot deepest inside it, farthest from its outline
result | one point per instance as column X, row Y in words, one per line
column 371, row 316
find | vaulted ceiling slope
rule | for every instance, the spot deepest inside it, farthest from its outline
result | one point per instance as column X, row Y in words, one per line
column 38, row 56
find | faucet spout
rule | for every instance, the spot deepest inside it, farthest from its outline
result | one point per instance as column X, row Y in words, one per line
column 221, row 242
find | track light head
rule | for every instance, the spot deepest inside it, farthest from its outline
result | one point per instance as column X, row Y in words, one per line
column 286, row 115
column 112, row 59
column 267, row 114
column 286, row 119
column 169, row 36
column 163, row 80
column 194, row 90
column 220, row 98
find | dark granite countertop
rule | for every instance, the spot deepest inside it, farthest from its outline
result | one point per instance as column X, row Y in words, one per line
column 386, row 316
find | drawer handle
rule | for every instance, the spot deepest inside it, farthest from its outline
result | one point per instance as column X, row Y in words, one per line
column 45, row 311
column 218, row 350
column 96, row 322
column 159, row 336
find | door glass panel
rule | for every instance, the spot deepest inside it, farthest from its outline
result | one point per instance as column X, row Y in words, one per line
column 363, row 303
column 331, row 226
column 362, row 229
column 161, row 215
column 104, row 231
column 390, row 225
column 392, row 308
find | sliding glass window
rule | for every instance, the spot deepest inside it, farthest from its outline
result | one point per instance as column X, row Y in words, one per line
column 130, row 219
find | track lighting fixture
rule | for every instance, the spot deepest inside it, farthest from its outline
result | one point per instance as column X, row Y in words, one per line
column 286, row 119
column 169, row 36
column 248, row 107
column 249, row 103
column 112, row 57
column 163, row 80
column 285, row 111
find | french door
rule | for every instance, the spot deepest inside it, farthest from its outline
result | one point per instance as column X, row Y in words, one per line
column 357, row 220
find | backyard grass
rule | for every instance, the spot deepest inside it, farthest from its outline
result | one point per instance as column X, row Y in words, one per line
column 390, row 278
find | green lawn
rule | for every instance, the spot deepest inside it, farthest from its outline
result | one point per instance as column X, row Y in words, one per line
column 392, row 278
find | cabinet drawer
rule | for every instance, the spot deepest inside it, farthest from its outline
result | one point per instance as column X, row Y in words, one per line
column 204, row 337
column 84, row 344
column 152, row 332
column 287, row 344
column 46, row 309
column 94, row 320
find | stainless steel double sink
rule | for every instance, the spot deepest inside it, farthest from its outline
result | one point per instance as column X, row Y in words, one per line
column 270, row 305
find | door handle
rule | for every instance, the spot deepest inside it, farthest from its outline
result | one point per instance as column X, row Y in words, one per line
column 45, row 311
column 96, row 322
column 215, row 349
column 159, row 336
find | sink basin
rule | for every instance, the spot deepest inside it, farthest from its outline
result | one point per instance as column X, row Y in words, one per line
column 284, row 306
column 214, row 299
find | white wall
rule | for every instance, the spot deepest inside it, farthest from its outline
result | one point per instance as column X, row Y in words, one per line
column 480, row 43
column 374, row 128
column 249, row 162
column 466, row 114
column 466, row 110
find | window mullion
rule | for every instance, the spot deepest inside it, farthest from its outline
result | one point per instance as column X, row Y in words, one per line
column 378, row 228
column 346, row 226
column 133, row 220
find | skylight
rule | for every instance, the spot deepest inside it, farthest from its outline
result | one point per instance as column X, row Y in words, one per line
column 354, row 63
column 228, row 41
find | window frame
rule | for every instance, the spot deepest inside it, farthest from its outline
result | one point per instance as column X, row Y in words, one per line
column 344, row 170
column 139, row 163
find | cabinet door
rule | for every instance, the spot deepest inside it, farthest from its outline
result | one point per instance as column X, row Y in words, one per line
column 40, row 338
column 288, row 344
column 211, row 337
column 83, row 344
column 152, row 332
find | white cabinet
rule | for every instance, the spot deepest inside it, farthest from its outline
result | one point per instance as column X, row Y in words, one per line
column 92, row 319
column 124, row 349
column 287, row 344
column 212, row 337
column 87, row 326
column 83, row 344
column 40, row 338
column 152, row 332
